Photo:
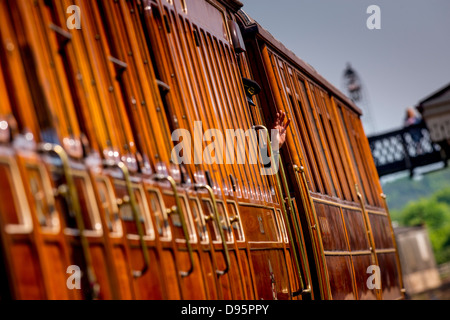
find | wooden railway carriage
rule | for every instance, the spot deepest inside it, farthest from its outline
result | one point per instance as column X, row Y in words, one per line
column 87, row 181
column 330, row 172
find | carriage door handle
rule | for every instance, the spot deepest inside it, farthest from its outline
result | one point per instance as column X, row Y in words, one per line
column 177, row 209
column 215, row 217
column 74, row 206
column 135, row 211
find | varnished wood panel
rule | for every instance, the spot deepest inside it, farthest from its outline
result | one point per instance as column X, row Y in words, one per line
column 340, row 277
column 389, row 276
column 332, row 228
column 357, row 234
column 361, row 263
column 381, row 231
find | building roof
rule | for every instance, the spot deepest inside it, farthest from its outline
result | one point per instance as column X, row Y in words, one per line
column 435, row 97
column 402, row 230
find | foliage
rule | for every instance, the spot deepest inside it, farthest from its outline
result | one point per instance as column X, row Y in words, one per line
column 402, row 191
column 434, row 213
column 443, row 196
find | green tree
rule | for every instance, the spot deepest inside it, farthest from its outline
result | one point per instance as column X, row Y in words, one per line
column 404, row 190
column 443, row 196
column 434, row 213
column 426, row 211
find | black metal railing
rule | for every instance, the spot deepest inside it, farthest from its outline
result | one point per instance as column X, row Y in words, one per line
column 405, row 149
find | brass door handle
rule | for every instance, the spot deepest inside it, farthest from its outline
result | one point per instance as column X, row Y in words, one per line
column 234, row 219
column 134, row 209
column 177, row 209
column 215, row 217
column 74, row 206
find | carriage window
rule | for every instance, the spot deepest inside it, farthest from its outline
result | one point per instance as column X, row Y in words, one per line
column 142, row 209
column 198, row 220
column 110, row 209
column 45, row 206
column 209, row 214
column 315, row 126
column 332, row 163
column 126, row 210
column 237, row 226
column 340, row 158
column 14, row 212
column 312, row 152
column 339, row 171
column 371, row 188
column 174, row 215
column 188, row 218
column 89, row 209
column 351, row 147
column 309, row 159
column 162, row 224
column 86, row 199
column 224, row 222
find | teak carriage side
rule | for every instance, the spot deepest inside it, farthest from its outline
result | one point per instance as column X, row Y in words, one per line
column 331, row 172
column 88, row 180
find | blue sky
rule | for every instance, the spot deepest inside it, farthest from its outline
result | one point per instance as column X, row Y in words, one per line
column 403, row 62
